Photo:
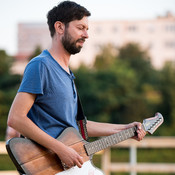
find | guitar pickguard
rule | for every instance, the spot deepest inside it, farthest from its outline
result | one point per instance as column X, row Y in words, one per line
column 86, row 169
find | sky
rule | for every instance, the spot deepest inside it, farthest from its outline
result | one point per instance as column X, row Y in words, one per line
column 13, row 12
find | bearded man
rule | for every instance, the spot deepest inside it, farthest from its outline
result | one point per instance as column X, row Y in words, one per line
column 46, row 102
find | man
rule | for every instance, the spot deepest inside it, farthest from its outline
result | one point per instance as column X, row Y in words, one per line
column 46, row 102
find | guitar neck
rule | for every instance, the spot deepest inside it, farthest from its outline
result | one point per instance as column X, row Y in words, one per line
column 109, row 141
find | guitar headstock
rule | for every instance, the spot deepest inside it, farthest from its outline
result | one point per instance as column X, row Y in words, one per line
column 151, row 124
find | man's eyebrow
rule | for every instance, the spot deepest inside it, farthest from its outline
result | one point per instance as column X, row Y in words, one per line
column 84, row 26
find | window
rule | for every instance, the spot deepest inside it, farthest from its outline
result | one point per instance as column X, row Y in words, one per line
column 132, row 28
column 114, row 29
column 170, row 28
column 170, row 44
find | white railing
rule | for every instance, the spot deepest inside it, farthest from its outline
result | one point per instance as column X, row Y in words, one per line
column 132, row 166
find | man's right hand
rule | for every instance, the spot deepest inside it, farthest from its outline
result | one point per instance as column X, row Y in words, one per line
column 69, row 157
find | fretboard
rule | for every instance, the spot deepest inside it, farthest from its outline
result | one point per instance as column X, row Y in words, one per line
column 108, row 141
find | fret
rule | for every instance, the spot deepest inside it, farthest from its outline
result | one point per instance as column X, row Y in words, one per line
column 111, row 141
column 100, row 145
column 126, row 134
column 130, row 132
column 123, row 135
column 107, row 142
column 103, row 141
column 93, row 147
column 87, row 147
column 96, row 146
column 120, row 137
column 114, row 139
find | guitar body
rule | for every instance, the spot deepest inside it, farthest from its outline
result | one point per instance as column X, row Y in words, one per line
column 33, row 159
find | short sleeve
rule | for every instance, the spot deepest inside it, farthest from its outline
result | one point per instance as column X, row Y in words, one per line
column 33, row 78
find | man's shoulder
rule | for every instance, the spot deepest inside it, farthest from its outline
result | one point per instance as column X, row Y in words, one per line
column 42, row 58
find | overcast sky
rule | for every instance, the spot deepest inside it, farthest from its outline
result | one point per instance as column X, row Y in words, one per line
column 14, row 11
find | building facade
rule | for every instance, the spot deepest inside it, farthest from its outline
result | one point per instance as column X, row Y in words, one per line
column 155, row 35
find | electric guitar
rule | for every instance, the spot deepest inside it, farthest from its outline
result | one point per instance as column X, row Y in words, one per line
column 31, row 158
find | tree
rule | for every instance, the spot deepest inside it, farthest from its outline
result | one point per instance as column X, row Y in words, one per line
column 112, row 94
column 139, row 60
column 5, row 63
column 106, row 57
column 36, row 52
column 8, row 87
column 167, row 86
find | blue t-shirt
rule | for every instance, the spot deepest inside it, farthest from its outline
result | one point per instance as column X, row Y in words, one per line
column 55, row 106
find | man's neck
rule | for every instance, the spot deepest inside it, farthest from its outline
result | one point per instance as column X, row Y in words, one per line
column 61, row 56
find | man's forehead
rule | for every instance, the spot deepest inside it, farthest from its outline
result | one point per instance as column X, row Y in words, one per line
column 83, row 21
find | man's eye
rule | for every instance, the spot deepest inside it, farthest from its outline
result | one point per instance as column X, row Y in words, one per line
column 80, row 28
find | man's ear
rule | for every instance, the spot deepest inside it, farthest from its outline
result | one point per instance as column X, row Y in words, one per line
column 59, row 27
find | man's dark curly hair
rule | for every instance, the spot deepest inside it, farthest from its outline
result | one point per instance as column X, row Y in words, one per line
column 65, row 12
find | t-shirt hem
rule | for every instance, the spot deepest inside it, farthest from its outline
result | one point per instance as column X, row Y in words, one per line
column 30, row 91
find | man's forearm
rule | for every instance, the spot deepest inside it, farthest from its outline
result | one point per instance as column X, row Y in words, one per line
column 96, row 129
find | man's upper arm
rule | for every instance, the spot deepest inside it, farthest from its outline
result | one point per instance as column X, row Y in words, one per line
column 22, row 103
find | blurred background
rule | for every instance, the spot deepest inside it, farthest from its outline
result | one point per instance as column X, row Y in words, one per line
column 128, row 65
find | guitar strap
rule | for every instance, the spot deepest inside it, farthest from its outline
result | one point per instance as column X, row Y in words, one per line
column 81, row 120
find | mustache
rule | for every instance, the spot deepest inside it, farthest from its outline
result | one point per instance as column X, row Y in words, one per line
column 81, row 39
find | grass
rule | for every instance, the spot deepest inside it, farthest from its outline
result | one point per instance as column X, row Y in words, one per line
column 6, row 163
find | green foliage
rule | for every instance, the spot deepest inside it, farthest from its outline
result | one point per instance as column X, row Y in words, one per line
column 5, row 63
column 167, row 86
column 113, row 83
column 138, row 60
column 8, row 87
column 106, row 58
column 36, row 52
column 122, row 87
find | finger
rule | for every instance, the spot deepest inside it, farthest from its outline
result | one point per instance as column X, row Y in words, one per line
column 139, row 135
column 79, row 162
column 142, row 134
column 139, row 125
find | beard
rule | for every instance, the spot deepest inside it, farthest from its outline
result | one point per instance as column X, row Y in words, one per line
column 69, row 44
